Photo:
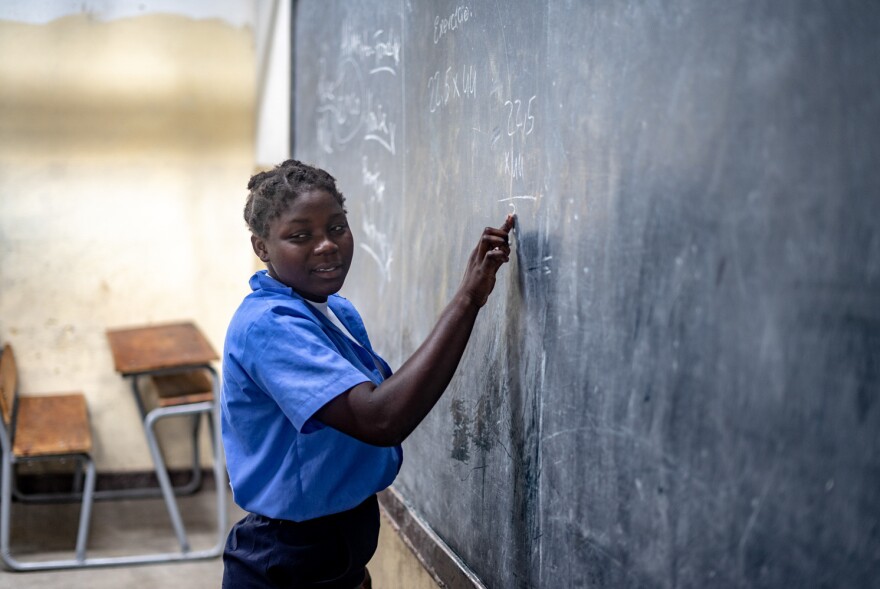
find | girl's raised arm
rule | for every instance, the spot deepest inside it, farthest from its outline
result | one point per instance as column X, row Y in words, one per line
column 385, row 415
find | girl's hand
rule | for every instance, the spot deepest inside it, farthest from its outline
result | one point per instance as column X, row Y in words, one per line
column 491, row 252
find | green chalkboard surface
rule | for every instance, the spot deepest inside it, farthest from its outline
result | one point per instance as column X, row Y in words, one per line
column 676, row 381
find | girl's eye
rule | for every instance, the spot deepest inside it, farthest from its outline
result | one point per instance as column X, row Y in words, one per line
column 339, row 228
column 299, row 237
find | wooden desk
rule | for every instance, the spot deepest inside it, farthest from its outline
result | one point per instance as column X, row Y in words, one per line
column 144, row 350
column 167, row 350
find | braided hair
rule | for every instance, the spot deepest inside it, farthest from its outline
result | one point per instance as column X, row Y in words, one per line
column 271, row 192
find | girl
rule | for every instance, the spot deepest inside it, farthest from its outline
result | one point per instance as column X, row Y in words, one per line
column 312, row 417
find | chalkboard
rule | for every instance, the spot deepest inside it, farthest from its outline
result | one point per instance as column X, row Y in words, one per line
column 675, row 383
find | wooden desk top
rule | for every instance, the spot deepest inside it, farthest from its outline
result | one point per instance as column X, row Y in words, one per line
column 145, row 349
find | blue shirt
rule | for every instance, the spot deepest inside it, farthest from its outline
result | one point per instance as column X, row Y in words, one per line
column 282, row 361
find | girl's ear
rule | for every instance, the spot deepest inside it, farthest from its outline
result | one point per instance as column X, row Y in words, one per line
column 260, row 248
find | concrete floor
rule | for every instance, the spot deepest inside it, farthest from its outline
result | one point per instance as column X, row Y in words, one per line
column 133, row 526
column 119, row 527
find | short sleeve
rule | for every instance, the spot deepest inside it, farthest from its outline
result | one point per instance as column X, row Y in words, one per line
column 296, row 363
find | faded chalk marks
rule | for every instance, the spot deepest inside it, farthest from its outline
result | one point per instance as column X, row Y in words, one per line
column 460, row 431
column 478, row 427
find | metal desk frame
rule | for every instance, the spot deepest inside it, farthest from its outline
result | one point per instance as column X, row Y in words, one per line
column 149, row 420
column 200, row 360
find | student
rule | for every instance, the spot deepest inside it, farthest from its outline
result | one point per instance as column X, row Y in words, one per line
column 312, row 417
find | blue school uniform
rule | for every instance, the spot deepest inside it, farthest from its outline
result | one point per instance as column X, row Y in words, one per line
column 283, row 360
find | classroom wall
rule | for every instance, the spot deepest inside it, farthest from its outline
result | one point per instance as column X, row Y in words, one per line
column 273, row 79
column 126, row 142
column 125, row 149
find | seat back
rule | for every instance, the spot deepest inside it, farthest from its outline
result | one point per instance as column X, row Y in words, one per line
column 8, row 392
column 8, row 384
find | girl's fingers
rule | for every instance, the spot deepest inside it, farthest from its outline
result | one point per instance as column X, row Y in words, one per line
column 498, row 257
column 492, row 251
column 494, row 243
column 492, row 235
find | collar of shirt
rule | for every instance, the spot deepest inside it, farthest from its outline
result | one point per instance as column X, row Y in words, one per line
column 337, row 304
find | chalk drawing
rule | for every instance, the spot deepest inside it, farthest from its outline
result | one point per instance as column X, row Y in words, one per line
column 340, row 103
column 378, row 128
column 377, row 243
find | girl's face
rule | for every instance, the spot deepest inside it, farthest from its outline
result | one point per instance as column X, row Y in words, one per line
column 309, row 246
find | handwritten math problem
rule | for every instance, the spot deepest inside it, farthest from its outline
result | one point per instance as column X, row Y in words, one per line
column 359, row 98
column 453, row 91
column 451, row 85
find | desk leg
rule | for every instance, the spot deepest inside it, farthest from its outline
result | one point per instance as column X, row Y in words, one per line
column 162, row 472
column 5, row 502
column 195, row 481
column 213, row 412
column 85, row 516
column 188, row 488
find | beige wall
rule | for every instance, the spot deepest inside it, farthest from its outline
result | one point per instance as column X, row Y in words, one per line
column 125, row 149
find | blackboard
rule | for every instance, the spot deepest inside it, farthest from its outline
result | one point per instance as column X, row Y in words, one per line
column 676, row 381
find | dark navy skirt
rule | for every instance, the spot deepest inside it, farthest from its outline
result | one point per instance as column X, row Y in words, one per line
column 328, row 552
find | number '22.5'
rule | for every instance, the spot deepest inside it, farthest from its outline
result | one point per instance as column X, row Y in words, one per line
column 517, row 120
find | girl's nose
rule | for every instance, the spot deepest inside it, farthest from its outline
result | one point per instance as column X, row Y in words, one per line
column 326, row 246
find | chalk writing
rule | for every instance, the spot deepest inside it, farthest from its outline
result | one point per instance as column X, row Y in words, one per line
column 518, row 197
column 382, row 46
column 511, row 200
column 324, row 134
column 376, row 242
column 446, row 25
column 514, row 164
column 381, row 253
column 345, row 108
column 354, row 105
column 517, row 120
column 518, row 123
column 340, row 103
column 453, row 84
column 378, row 128
column 372, row 180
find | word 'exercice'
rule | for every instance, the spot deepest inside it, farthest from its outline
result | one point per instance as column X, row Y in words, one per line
column 442, row 26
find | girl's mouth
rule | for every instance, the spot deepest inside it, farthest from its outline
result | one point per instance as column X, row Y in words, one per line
column 327, row 269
